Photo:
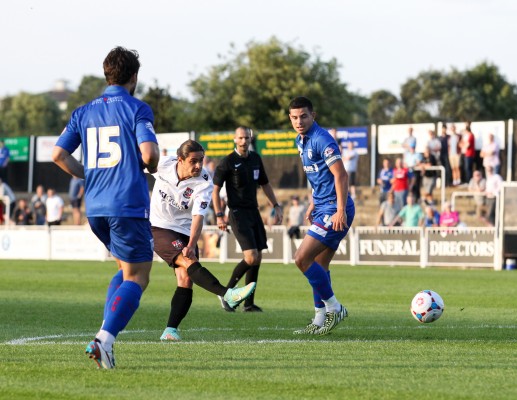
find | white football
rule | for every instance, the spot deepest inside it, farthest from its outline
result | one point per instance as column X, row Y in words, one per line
column 427, row 306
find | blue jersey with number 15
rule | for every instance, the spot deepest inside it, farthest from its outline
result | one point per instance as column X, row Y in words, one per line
column 111, row 128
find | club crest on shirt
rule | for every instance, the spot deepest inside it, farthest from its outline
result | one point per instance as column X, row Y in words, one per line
column 178, row 244
column 188, row 192
column 203, row 204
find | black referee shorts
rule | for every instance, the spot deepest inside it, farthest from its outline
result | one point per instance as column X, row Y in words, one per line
column 248, row 228
column 168, row 244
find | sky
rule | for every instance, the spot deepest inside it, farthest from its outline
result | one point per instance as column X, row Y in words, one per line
column 379, row 44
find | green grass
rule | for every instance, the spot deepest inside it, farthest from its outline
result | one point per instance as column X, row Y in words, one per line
column 50, row 310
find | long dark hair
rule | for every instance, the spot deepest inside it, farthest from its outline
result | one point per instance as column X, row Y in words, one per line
column 187, row 147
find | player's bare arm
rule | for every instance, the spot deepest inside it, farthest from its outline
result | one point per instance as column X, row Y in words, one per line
column 341, row 183
column 218, row 209
column 150, row 155
column 268, row 191
column 67, row 162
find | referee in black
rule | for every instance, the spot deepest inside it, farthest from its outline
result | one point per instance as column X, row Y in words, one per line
column 242, row 171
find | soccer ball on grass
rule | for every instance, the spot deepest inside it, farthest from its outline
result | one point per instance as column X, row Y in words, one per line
column 427, row 306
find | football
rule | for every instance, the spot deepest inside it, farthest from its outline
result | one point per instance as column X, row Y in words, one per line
column 427, row 306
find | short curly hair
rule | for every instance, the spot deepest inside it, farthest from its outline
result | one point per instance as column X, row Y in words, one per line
column 120, row 65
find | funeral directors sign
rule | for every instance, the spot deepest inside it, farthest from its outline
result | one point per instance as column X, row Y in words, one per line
column 395, row 246
column 470, row 247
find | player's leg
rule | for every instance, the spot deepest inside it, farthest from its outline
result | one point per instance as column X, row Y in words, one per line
column 254, row 258
column 130, row 242
column 180, row 305
column 114, row 284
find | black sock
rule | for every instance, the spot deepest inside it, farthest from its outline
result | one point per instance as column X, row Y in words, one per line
column 238, row 272
column 251, row 276
column 204, row 278
column 180, row 304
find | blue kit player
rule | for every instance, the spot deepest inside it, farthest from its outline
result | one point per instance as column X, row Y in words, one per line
column 118, row 141
column 330, row 213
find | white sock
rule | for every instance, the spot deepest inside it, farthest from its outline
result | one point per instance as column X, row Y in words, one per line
column 332, row 305
column 319, row 317
column 106, row 338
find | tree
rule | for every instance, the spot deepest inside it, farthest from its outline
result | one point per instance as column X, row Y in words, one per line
column 89, row 88
column 480, row 93
column 29, row 114
column 382, row 106
column 254, row 87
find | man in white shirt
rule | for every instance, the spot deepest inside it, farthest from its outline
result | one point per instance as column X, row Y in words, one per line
column 179, row 203
column 493, row 187
column 55, row 206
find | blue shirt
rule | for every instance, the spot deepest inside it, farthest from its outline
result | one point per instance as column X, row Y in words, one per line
column 111, row 128
column 318, row 151
column 75, row 187
column 4, row 156
column 386, row 175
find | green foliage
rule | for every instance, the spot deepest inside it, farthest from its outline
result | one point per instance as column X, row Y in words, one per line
column 29, row 114
column 254, row 88
column 90, row 88
column 478, row 94
column 50, row 310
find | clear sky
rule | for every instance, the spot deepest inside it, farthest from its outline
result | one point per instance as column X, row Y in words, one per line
column 379, row 43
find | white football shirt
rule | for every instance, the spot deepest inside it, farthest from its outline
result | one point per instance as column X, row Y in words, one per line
column 174, row 202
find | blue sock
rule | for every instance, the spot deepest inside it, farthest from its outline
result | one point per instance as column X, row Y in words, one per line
column 319, row 280
column 318, row 303
column 115, row 283
column 122, row 305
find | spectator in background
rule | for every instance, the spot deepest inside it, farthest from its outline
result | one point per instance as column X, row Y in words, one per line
column 449, row 218
column 55, row 206
column 468, row 151
column 412, row 161
column 295, row 218
column 444, row 155
column 388, row 211
column 5, row 157
column 7, row 200
column 493, row 187
column 429, row 178
column 400, row 183
column 38, row 205
column 490, row 154
column 384, row 180
column 478, row 185
column 75, row 194
column 432, row 217
column 454, row 155
column 333, row 133
column 434, row 145
column 22, row 214
column 410, row 141
column 350, row 158
column 411, row 214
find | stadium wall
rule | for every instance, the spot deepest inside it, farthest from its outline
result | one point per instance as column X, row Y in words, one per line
column 425, row 247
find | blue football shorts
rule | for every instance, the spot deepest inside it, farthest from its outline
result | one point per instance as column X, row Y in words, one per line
column 128, row 239
column 321, row 228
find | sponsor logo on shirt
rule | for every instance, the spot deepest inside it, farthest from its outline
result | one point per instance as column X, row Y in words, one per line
column 309, row 154
column 184, row 205
column 310, row 168
column 205, row 177
column 170, row 200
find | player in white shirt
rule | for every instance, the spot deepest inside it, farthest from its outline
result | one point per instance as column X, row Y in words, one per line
column 180, row 200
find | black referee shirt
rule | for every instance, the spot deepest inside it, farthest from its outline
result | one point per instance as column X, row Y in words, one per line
column 241, row 175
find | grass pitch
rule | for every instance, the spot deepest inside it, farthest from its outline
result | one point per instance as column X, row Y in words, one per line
column 51, row 310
